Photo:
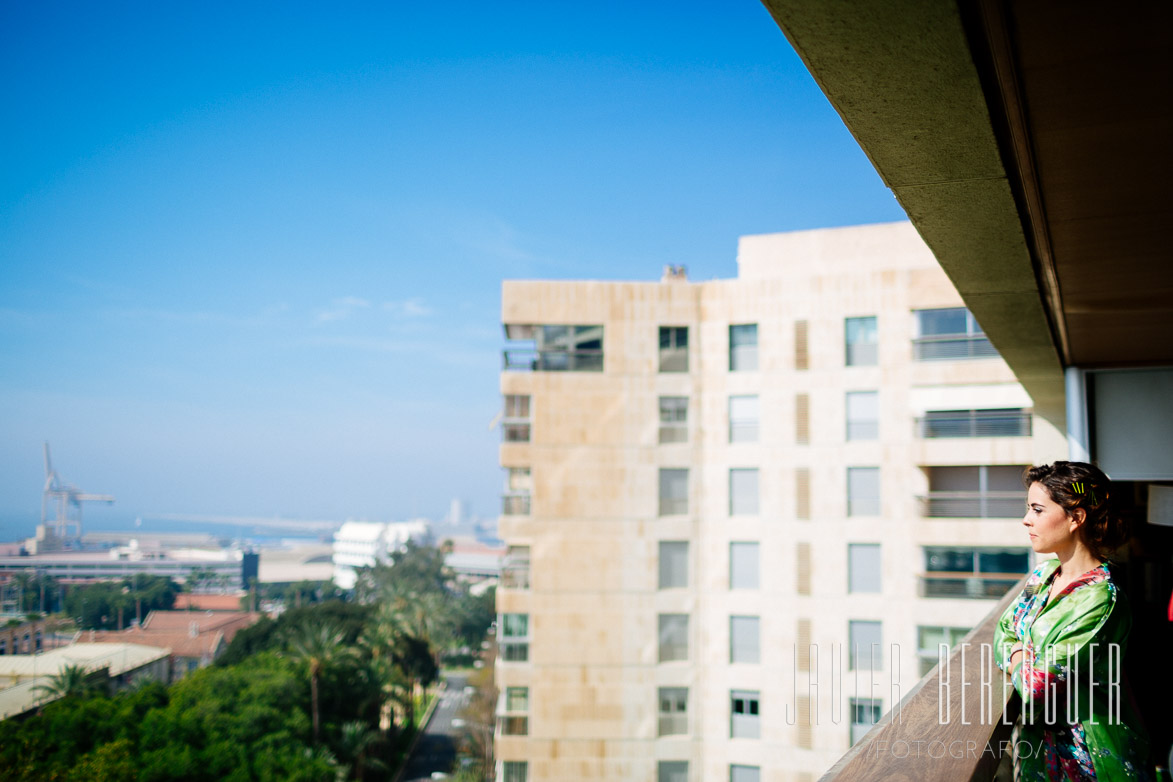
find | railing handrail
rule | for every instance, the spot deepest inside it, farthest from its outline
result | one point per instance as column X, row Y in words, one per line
column 958, row 337
column 965, row 495
column 968, row 574
column 900, row 748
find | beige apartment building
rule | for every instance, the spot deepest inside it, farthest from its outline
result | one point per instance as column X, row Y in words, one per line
column 743, row 514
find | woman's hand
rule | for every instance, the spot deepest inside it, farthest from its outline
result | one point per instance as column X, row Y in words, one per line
column 1016, row 649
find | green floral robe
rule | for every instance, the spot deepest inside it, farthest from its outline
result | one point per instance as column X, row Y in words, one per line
column 1073, row 652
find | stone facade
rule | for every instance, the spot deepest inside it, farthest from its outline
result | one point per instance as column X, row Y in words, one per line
column 593, row 679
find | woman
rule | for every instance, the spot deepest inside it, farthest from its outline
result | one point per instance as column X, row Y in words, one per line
column 1063, row 639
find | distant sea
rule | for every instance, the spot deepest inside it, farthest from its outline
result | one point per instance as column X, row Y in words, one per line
column 19, row 526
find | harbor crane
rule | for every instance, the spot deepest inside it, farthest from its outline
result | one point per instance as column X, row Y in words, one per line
column 66, row 498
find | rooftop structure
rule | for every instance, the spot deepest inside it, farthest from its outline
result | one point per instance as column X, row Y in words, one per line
column 362, row 543
column 193, row 639
column 123, row 663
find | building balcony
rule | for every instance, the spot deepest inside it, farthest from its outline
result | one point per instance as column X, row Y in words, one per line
column 530, row 360
column 972, row 586
column 949, row 347
column 947, row 726
column 515, row 504
column 974, row 423
column 972, row 505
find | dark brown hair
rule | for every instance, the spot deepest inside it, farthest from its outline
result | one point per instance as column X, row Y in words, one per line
column 1081, row 485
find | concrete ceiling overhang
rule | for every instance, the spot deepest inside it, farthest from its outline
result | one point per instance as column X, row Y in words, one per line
column 935, row 93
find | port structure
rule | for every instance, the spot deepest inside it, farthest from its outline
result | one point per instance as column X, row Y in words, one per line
column 67, row 500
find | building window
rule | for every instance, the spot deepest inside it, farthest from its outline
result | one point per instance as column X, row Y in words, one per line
column 974, row 492
column 514, row 641
column 673, row 711
column 801, row 345
column 673, row 637
column 863, row 567
column 514, row 771
column 863, row 491
column 865, row 712
column 1011, row 422
column 673, row 491
column 864, row 650
column 743, row 348
column 672, row 771
column 515, row 424
column 863, row 415
column 743, row 419
column 515, row 501
column 673, row 348
column 745, row 716
column 862, row 342
column 673, row 564
column 515, row 568
column 555, row 348
column 739, row 773
column 949, row 334
column 977, row 573
column 929, row 641
column 673, row 419
column 514, row 720
column 743, row 565
column 743, row 492
column 745, row 639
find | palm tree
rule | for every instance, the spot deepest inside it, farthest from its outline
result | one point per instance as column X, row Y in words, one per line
column 319, row 646
column 70, row 680
column 402, row 630
column 356, row 741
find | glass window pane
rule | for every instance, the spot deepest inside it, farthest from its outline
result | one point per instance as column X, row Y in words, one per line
column 933, row 323
column 863, row 563
column 673, row 564
column 673, row 636
column 515, row 771
column 743, row 566
column 861, row 341
column 863, row 491
column 673, row 349
column 517, row 699
column 745, row 714
column 743, row 419
column 1003, row 562
column 673, row 718
column 864, row 647
column 739, row 773
column 672, row 771
column 743, row 348
column 744, row 639
column 863, row 415
column 865, row 712
column 515, row 625
column 673, row 491
column 743, row 492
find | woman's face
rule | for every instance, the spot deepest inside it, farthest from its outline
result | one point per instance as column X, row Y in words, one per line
column 1051, row 530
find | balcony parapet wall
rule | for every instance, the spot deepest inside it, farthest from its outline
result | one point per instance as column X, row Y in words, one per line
column 926, row 738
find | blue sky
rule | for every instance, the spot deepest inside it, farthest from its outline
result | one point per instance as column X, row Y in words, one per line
column 251, row 254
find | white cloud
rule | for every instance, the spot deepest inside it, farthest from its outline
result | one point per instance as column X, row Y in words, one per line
column 408, row 308
column 341, row 309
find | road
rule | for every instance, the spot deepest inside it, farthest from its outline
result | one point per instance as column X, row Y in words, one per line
column 436, row 750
